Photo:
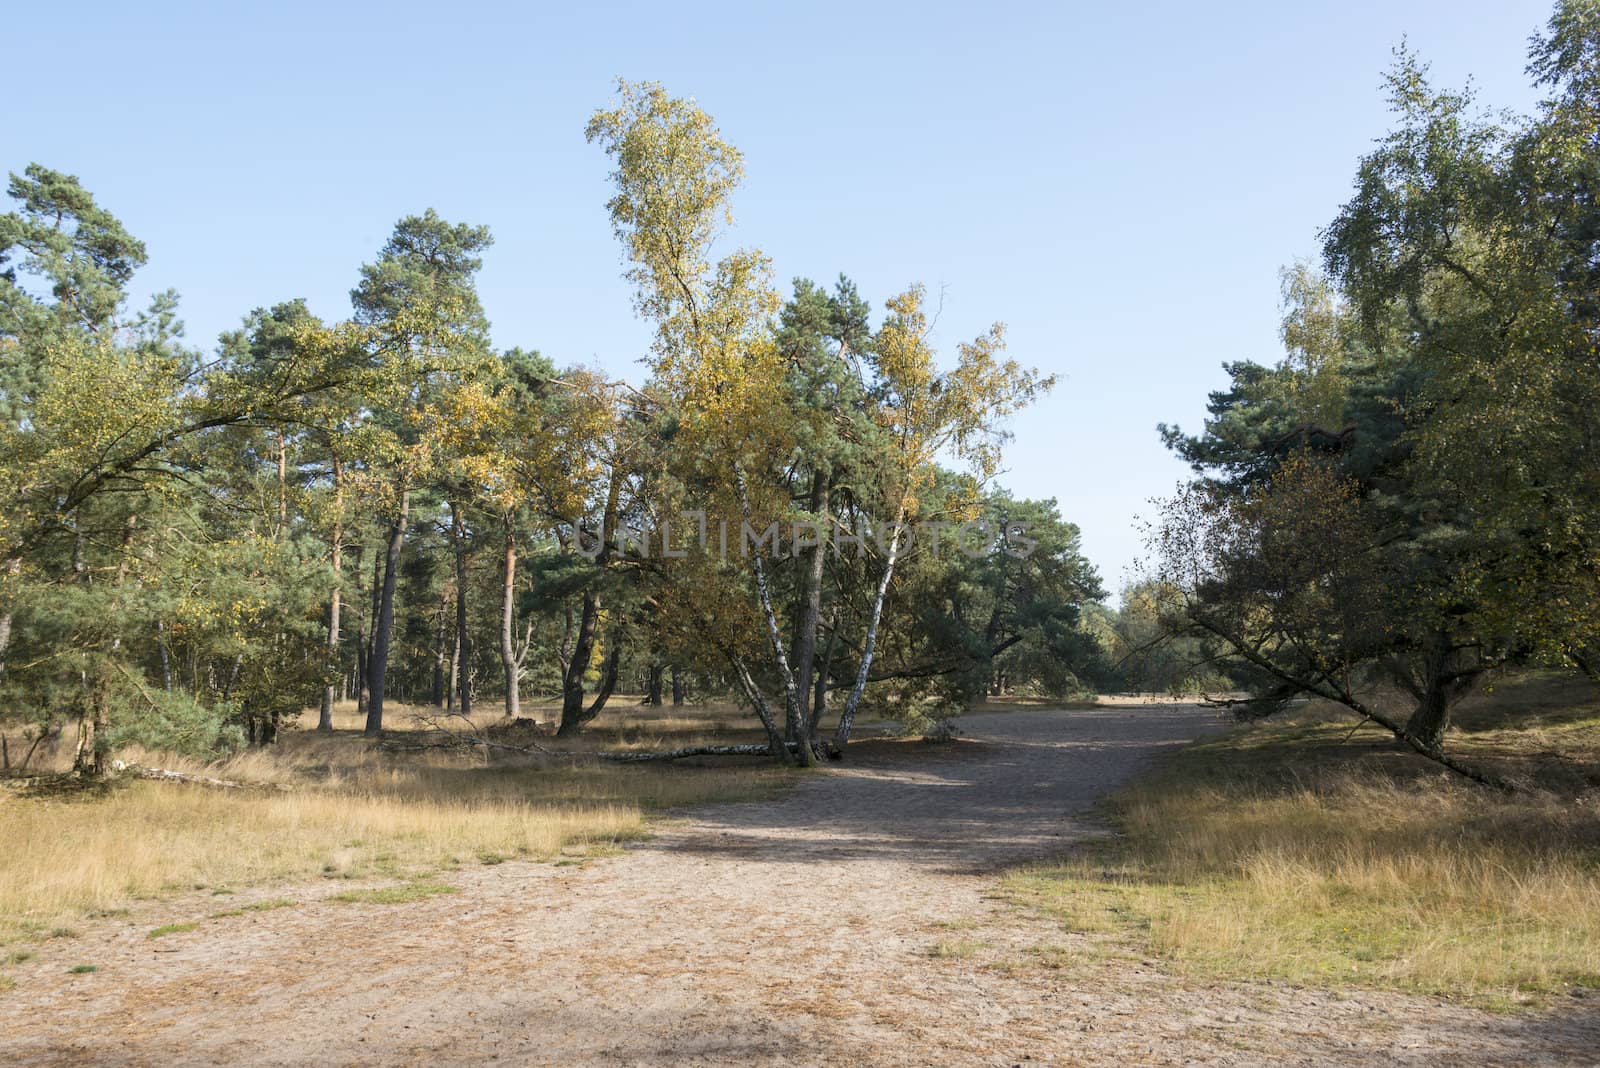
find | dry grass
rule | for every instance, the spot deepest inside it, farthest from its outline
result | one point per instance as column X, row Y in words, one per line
column 354, row 811
column 1293, row 850
column 955, row 949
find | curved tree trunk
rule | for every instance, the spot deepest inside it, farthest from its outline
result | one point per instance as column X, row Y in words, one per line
column 573, row 714
column 572, row 711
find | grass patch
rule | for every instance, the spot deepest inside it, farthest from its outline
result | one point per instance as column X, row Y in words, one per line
column 256, row 906
column 417, row 890
column 1297, row 851
column 19, row 956
column 356, row 812
column 954, row 949
column 269, row 905
column 83, row 969
column 170, row 929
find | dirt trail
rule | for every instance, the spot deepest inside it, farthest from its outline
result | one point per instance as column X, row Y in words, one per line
column 795, row 931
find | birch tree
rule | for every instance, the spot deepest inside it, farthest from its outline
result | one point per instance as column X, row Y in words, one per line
column 717, row 357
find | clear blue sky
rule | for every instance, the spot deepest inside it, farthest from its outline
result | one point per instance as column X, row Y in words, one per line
column 1119, row 183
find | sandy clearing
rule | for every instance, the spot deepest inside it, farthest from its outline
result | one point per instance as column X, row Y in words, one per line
column 796, row 931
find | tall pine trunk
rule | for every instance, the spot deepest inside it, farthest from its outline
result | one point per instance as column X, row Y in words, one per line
column 383, row 627
column 811, row 616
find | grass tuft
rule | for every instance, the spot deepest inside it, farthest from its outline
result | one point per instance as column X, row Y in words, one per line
column 405, row 893
column 954, row 949
column 171, row 928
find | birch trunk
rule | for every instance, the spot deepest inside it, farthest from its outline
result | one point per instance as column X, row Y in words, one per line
column 508, row 609
column 458, row 534
column 13, row 569
column 364, row 697
column 336, row 559
column 847, row 716
column 794, row 718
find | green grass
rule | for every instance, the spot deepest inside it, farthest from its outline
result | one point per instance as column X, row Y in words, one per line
column 402, row 894
column 954, row 949
column 1297, row 851
column 170, row 929
column 83, row 969
column 257, row 906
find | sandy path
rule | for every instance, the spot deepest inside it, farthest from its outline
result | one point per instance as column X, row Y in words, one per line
column 790, row 932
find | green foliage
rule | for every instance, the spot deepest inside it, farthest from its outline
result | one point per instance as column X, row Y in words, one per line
column 199, row 542
column 1406, row 497
column 176, row 723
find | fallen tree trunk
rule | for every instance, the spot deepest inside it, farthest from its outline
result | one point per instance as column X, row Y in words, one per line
column 750, row 749
column 139, row 771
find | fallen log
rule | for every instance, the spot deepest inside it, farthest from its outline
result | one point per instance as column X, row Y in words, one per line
column 747, row 749
column 642, row 755
column 139, row 771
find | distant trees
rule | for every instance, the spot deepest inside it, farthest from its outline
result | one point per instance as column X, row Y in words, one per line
column 195, row 547
column 106, row 420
